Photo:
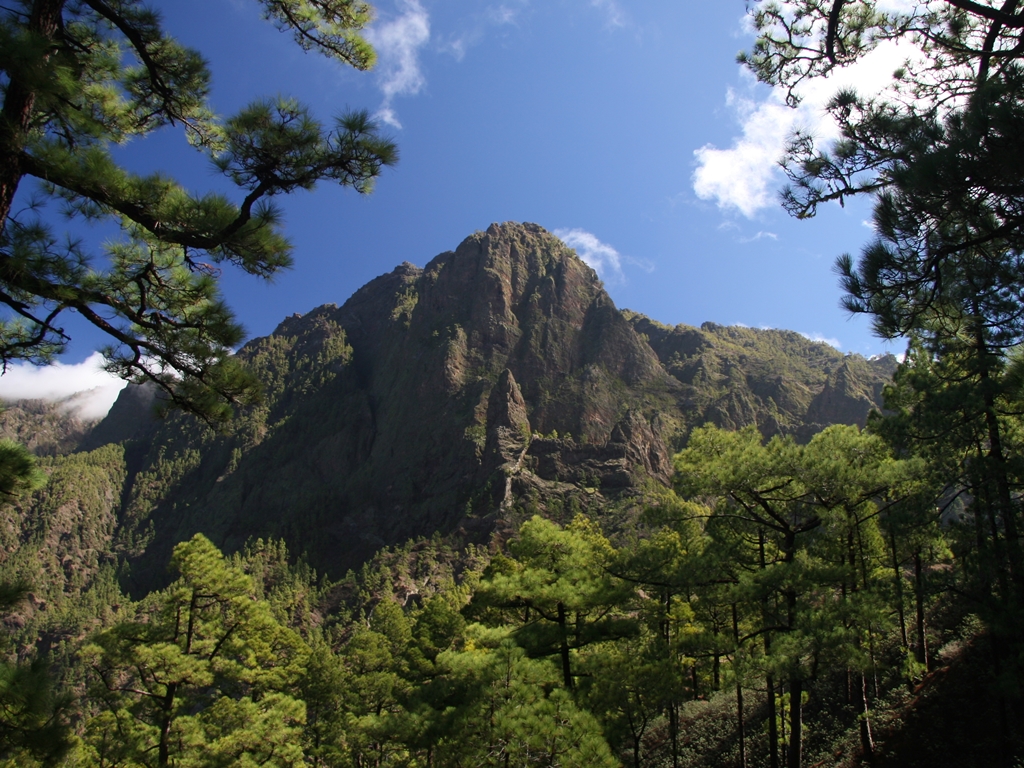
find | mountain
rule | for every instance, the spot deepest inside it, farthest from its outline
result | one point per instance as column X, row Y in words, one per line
column 498, row 379
column 47, row 428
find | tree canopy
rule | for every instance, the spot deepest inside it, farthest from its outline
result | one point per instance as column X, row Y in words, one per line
column 940, row 153
column 80, row 77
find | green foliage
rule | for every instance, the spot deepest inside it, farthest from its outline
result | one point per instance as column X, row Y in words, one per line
column 405, row 303
column 556, row 591
column 32, row 715
column 810, row 573
column 504, row 710
column 937, row 153
column 82, row 77
column 18, row 470
column 203, row 675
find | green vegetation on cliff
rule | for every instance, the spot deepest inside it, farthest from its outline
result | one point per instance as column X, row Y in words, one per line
column 392, row 416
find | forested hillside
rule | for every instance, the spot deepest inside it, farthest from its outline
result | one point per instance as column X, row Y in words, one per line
column 458, row 496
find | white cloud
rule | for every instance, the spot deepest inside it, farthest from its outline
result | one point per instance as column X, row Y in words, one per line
column 759, row 236
column 640, row 263
column 823, row 339
column 504, row 14
column 475, row 27
column 83, row 388
column 398, row 42
column 600, row 257
column 613, row 12
column 745, row 176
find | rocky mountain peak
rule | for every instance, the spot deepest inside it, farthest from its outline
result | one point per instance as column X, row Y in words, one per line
column 499, row 376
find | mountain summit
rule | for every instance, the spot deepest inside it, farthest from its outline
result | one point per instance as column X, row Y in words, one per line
column 500, row 377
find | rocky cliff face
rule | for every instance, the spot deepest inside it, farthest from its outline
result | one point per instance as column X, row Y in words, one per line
column 499, row 376
column 778, row 380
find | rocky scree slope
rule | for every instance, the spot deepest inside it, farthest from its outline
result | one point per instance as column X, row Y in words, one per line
column 500, row 377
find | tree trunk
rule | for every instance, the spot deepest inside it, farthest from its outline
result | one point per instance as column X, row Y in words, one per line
column 673, row 715
column 19, row 108
column 769, row 679
column 796, row 683
column 673, row 729
column 867, row 742
column 898, row 581
column 637, row 732
column 997, row 460
column 166, row 717
column 922, row 643
column 796, row 692
column 782, row 720
column 564, row 648
column 741, row 730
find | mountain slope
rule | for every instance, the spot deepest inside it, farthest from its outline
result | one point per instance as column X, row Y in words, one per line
column 499, row 376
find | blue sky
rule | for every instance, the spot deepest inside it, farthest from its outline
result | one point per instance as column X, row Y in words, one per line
column 626, row 128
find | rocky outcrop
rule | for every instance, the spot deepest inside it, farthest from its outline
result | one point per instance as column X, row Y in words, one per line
column 778, row 380
column 497, row 380
column 508, row 435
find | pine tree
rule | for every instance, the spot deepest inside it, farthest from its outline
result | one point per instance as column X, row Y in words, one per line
column 32, row 713
column 556, row 591
column 809, row 515
column 503, row 708
column 939, row 152
column 203, row 675
column 81, row 76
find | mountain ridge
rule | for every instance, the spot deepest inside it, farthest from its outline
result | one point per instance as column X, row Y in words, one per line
column 499, row 377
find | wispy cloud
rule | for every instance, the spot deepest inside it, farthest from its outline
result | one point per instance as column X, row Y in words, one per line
column 505, row 13
column 759, row 236
column 600, row 257
column 398, row 42
column 614, row 15
column 640, row 263
column 822, row 338
column 475, row 27
column 746, row 176
column 401, row 38
column 83, row 388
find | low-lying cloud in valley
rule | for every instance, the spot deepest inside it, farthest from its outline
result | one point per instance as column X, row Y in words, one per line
column 84, row 389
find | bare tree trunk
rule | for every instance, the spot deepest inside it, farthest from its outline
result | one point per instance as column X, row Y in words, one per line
column 739, row 692
column 922, row 642
column 673, row 729
column 867, row 742
column 796, row 692
column 564, row 648
column 898, row 581
column 741, row 728
column 769, row 679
